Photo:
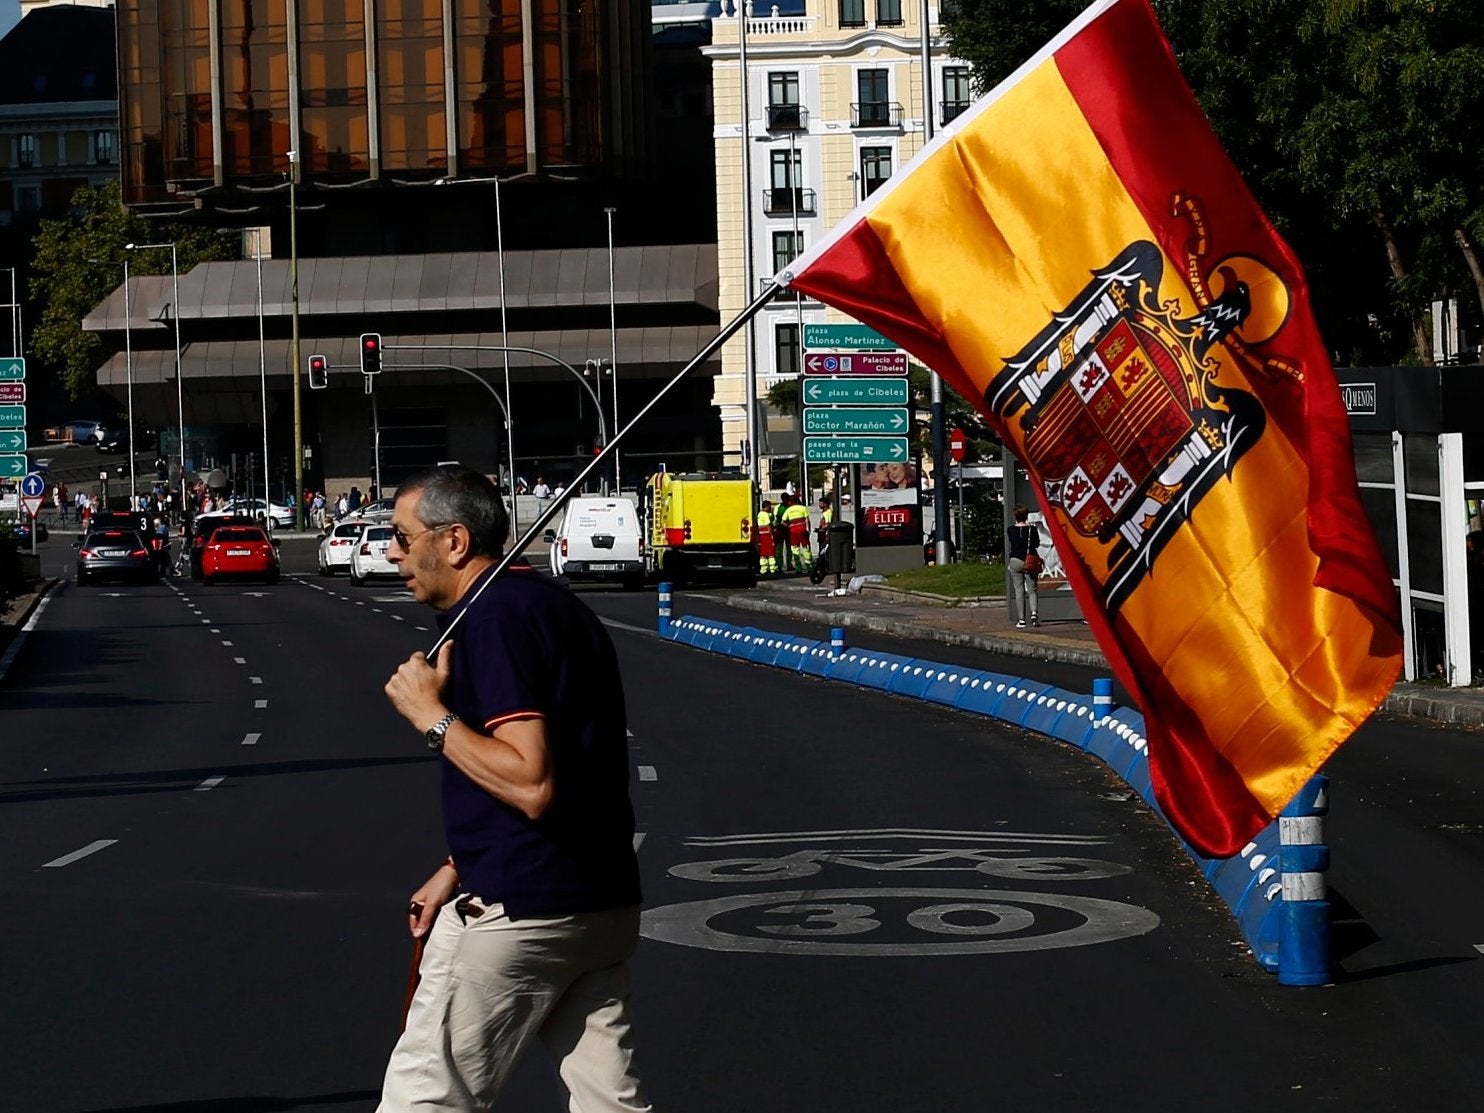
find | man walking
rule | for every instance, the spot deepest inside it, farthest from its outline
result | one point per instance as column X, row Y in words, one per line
column 531, row 921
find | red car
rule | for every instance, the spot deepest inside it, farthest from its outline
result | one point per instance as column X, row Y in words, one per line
column 239, row 551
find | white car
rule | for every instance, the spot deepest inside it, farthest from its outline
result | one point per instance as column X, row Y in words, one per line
column 280, row 514
column 599, row 539
column 336, row 546
column 368, row 556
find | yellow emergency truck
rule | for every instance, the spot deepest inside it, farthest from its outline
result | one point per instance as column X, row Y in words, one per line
column 699, row 527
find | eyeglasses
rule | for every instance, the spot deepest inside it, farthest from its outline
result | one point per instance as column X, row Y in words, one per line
column 404, row 542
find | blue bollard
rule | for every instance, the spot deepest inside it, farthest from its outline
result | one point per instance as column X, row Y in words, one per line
column 1303, row 925
column 664, row 598
column 837, row 642
column 1102, row 699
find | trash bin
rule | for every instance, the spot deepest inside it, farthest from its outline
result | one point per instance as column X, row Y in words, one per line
column 842, row 548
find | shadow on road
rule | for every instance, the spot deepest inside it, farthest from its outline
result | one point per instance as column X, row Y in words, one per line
column 246, row 1105
column 176, row 780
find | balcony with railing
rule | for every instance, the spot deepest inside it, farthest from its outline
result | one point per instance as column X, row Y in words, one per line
column 951, row 110
column 785, row 202
column 875, row 114
column 788, row 117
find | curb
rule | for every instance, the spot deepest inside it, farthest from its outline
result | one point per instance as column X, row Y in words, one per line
column 1414, row 701
column 1248, row 882
column 12, row 626
column 1048, row 648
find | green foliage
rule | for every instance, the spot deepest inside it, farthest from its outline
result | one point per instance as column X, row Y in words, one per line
column 79, row 261
column 784, row 397
column 1358, row 124
column 984, row 524
column 957, row 581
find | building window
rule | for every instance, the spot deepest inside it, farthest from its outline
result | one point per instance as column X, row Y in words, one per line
column 955, row 91
column 104, row 153
column 852, row 13
column 788, row 170
column 28, row 199
column 888, row 13
column 786, row 359
column 873, row 109
column 875, row 168
column 25, row 150
column 784, row 111
column 787, row 246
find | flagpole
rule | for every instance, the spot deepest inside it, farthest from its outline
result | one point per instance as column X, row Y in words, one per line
column 749, row 344
column 939, row 415
column 711, row 348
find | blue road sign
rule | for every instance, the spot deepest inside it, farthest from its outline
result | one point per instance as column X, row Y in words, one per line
column 855, row 419
column 854, row 450
column 33, row 486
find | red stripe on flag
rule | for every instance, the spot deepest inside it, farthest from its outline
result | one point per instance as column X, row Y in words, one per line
column 857, row 276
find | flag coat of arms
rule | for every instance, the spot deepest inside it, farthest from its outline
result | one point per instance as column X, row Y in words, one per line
column 1078, row 257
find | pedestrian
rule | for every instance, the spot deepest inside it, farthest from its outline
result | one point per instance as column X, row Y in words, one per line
column 1024, row 567
column 530, row 923
column 767, row 558
column 542, row 493
column 59, row 496
column 354, row 499
column 796, row 518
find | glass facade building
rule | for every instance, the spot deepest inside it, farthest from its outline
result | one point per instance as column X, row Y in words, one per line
column 216, row 92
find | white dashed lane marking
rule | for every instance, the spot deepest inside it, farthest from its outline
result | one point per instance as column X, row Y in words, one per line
column 208, row 784
column 240, row 660
column 255, row 679
column 259, row 704
column 68, row 859
column 251, row 739
column 647, row 773
column 638, row 838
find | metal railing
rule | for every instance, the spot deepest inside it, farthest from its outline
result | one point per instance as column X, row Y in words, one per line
column 875, row 114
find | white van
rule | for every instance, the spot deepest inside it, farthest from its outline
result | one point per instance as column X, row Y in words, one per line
column 599, row 539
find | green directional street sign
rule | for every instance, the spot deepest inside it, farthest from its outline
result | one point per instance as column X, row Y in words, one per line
column 850, row 338
column 855, row 419
column 12, row 367
column 854, row 450
column 12, row 440
column 12, row 417
column 14, row 467
column 860, row 392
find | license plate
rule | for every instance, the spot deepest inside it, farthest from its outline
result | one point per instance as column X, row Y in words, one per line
column 606, row 567
column 239, row 552
column 113, row 552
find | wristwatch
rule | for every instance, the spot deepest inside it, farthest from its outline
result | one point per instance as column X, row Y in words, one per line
column 434, row 734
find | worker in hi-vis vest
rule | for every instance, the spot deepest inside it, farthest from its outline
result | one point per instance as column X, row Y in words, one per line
column 767, row 559
column 796, row 517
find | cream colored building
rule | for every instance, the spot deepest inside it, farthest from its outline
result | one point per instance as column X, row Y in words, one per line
column 834, row 107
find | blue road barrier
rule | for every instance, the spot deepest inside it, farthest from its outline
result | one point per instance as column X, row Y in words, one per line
column 1275, row 889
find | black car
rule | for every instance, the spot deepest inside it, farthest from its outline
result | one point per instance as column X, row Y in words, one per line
column 21, row 531
column 115, row 554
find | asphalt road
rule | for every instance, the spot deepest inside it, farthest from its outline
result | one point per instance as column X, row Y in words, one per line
column 853, row 902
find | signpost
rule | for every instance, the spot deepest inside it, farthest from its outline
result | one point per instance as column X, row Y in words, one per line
column 12, row 440
column 855, row 363
column 12, row 367
column 855, row 338
column 12, row 393
column 855, row 419
column 855, row 450
column 33, row 493
column 872, row 392
column 12, row 417
column 13, row 467
column 13, row 421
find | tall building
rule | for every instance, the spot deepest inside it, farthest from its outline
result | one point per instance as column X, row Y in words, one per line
column 835, row 106
column 400, row 116
column 58, row 108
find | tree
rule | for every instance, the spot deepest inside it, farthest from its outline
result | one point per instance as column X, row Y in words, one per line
column 77, row 263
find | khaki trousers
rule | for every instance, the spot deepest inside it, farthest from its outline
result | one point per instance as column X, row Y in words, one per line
column 489, row 984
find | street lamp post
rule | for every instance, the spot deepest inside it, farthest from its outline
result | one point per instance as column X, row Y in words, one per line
column 179, row 382
column 612, row 344
column 257, row 254
column 128, row 374
column 298, row 495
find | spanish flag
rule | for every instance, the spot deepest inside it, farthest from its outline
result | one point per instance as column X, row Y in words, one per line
column 1078, row 256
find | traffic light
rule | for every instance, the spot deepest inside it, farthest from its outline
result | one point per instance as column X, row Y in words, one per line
column 319, row 373
column 370, row 353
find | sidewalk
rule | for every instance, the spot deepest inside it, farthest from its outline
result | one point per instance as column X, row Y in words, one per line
column 986, row 625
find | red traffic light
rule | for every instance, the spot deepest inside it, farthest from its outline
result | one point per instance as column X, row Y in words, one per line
column 370, row 353
column 319, row 373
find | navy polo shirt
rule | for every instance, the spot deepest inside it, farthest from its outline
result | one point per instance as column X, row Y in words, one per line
column 528, row 646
